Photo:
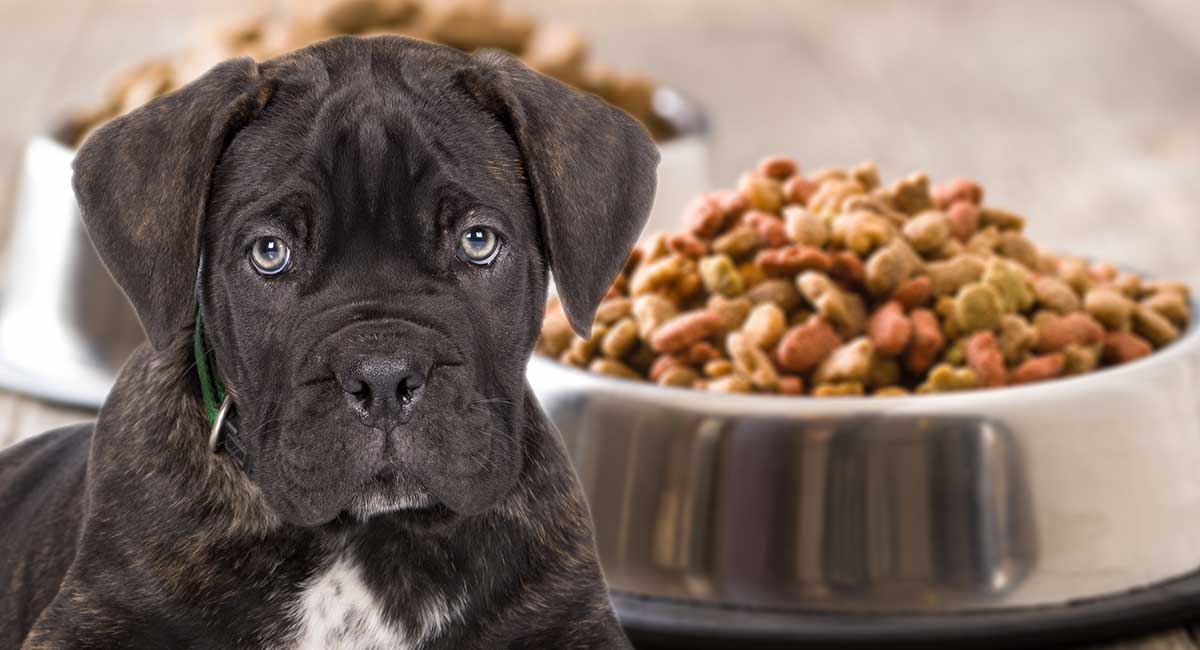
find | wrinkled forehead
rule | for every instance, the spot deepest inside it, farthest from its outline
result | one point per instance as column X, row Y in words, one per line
column 376, row 133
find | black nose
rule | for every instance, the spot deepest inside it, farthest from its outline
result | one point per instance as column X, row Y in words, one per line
column 382, row 388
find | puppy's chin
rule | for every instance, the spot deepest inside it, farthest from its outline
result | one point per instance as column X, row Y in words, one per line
column 387, row 493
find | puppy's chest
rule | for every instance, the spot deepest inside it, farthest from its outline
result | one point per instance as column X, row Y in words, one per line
column 338, row 611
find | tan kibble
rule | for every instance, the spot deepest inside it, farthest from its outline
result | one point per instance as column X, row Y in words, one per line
column 850, row 362
column 718, row 368
column 831, row 195
column 730, row 384
column 1109, row 306
column 720, row 276
column 1079, row 359
column 804, row 227
column 1170, row 305
column 927, row 231
column 1055, row 294
column 765, row 324
column 911, row 195
column 650, row 312
column 1074, row 272
column 620, row 339
column 678, row 376
column 1002, row 219
column 614, row 368
column 945, row 378
column 736, row 242
column 611, row 310
column 1017, row 337
column 1153, row 326
column 861, row 232
column 843, row 389
column 866, row 174
column 1013, row 245
column 776, row 290
column 953, row 274
column 656, row 274
column 731, row 312
column 764, row 193
column 889, row 266
column 751, row 362
column 556, row 331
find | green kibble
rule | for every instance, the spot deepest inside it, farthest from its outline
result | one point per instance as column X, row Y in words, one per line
column 1009, row 282
column 720, row 276
column 977, row 307
column 945, row 378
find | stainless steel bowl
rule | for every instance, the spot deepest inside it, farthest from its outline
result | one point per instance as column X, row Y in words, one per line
column 1016, row 511
column 65, row 327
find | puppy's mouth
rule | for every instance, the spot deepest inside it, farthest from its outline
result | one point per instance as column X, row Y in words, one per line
column 387, row 492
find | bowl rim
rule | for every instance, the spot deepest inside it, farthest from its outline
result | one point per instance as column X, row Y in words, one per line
column 801, row 405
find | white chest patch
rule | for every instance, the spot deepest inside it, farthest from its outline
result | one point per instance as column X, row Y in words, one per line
column 336, row 611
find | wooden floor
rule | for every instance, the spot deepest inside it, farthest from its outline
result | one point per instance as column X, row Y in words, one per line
column 1084, row 115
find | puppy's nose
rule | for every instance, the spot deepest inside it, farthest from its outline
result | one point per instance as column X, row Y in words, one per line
column 381, row 388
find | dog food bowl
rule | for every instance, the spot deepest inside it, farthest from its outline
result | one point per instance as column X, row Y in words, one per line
column 65, row 327
column 1049, row 513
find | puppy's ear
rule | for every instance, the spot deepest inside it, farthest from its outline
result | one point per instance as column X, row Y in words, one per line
column 142, row 182
column 591, row 168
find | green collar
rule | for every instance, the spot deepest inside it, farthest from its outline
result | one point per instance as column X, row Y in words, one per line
column 211, row 390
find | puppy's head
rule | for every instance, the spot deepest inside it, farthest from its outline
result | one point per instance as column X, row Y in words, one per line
column 375, row 219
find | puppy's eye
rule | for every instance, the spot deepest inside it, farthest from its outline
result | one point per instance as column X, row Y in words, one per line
column 270, row 255
column 479, row 245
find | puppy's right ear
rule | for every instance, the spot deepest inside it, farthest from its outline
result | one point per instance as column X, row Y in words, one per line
column 143, row 180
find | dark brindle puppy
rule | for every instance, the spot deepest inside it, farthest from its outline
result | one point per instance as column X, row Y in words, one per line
column 373, row 221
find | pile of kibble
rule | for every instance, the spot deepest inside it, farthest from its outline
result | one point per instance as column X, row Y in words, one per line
column 834, row 284
column 554, row 50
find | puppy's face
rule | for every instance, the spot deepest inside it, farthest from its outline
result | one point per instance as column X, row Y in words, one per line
column 373, row 262
column 376, row 221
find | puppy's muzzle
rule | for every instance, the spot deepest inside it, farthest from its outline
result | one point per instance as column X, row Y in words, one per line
column 382, row 390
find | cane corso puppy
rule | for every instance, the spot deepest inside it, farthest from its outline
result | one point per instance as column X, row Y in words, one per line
column 354, row 241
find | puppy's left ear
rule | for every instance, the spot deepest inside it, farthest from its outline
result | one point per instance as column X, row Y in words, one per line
column 591, row 168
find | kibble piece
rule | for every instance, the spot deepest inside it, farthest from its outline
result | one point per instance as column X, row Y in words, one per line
column 730, row 384
column 619, row 339
column 1041, row 368
column 1055, row 332
column 1122, row 347
column 705, row 216
column 848, row 269
column 718, row 368
column 751, row 362
column 1013, row 245
column 769, row 230
column 945, row 378
column 650, row 312
column 889, row 266
column 891, row 391
column 889, row 329
column 614, row 368
column 792, row 260
column 911, row 195
column 850, row 362
column 977, row 307
column 611, row 310
column 959, row 189
column 1110, row 307
column 866, row 174
column 861, row 231
column 687, row 244
column 720, row 276
column 765, row 193
column 1153, row 326
column 778, row 167
column 804, row 346
column 1078, row 359
column 731, row 312
column 737, row 242
column 1002, row 219
column 831, row 196
column 884, row 372
column 775, row 290
column 684, row 330
column 984, row 357
column 556, row 332
column 927, row 341
column 1055, row 294
column 1171, row 305
column 1010, row 282
column 798, row 190
column 963, row 218
column 702, row 352
column 1075, row 273
column 679, row 376
column 791, row 385
column 843, row 389
column 953, row 274
column 804, row 227
column 765, row 324
column 927, row 231
column 656, row 274
column 1017, row 337
column 914, row 292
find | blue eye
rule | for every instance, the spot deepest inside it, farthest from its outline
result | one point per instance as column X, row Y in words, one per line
column 479, row 245
column 270, row 255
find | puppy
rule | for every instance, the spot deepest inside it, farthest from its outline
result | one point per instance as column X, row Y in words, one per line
column 351, row 244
